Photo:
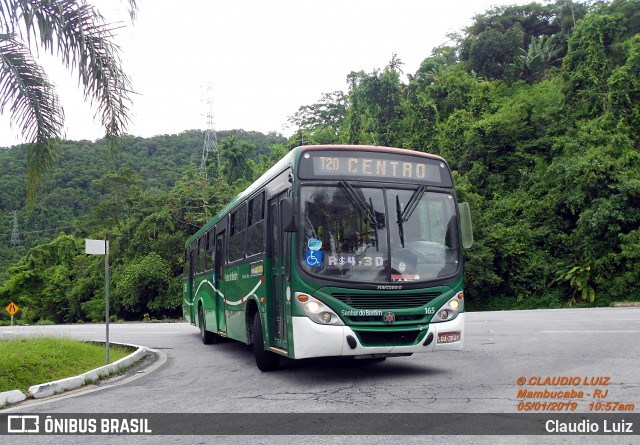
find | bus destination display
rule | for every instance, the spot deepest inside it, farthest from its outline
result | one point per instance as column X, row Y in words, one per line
column 378, row 168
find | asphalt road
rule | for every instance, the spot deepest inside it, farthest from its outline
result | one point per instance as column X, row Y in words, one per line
column 600, row 345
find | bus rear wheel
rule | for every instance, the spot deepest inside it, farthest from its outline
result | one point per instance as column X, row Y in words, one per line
column 266, row 360
column 207, row 337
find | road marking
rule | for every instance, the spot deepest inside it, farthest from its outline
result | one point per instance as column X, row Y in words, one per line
column 564, row 320
column 590, row 332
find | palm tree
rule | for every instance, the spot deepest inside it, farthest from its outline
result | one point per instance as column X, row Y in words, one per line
column 541, row 55
column 79, row 36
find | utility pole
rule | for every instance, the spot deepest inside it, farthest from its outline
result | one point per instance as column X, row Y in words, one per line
column 15, row 234
column 210, row 137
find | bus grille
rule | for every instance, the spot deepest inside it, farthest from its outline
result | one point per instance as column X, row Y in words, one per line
column 369, row 318
column 386, row 301
column 369, row 338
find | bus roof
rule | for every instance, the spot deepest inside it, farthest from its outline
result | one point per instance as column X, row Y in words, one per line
column 392, row 150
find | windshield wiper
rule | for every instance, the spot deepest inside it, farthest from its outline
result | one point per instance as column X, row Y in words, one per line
column 360, row 204
column 375, row 232
column 413, row 203
column 404, row 216
column 400, row 221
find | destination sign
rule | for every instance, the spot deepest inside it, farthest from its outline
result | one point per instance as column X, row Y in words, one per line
column 377, row 167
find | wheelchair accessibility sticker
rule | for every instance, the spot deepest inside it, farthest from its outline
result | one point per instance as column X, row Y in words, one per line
column 313, row 258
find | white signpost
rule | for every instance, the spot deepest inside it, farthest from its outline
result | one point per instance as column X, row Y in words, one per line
column 101, row 247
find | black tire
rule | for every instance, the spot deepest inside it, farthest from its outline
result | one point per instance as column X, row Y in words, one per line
column 207, row 337
column 266, row 360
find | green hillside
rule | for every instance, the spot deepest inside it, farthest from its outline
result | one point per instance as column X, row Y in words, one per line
column 535, row 107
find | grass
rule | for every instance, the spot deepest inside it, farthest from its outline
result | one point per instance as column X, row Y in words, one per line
column 30, row 361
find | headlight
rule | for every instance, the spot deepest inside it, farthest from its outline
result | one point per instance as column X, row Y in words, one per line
column 450, row 309
column 317, row 311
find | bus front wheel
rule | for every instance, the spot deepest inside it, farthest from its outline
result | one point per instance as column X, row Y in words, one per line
column 266, row 360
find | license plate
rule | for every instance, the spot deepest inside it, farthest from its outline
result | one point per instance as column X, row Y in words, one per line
column 448, row 337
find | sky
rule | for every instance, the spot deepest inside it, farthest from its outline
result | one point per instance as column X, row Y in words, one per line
column 262, row 58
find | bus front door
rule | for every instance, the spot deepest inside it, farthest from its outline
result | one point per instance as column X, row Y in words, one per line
column 218, row 284
column 190, row 288
column 278, row 330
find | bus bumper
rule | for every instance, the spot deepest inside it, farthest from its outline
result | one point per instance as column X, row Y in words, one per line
column 315, row 340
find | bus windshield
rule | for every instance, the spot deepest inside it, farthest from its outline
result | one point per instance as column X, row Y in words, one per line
column 378, row 235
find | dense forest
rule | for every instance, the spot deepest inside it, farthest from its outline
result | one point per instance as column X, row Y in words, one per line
column 535, row 107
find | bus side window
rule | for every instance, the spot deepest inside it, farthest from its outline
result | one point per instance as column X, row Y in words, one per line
column 237, row 233
column 200, row 255
column 211, row 250
column 186, row 263
column 255, row 232
column 205, row 252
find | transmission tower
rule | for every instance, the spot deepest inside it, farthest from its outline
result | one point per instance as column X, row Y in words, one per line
column 15, row 234
column 210, row 138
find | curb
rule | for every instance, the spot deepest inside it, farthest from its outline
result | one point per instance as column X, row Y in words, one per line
column 626, row 304
column 9, row 397
column 47, row 389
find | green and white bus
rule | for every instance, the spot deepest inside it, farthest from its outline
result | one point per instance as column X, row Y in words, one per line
column 335, row 251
